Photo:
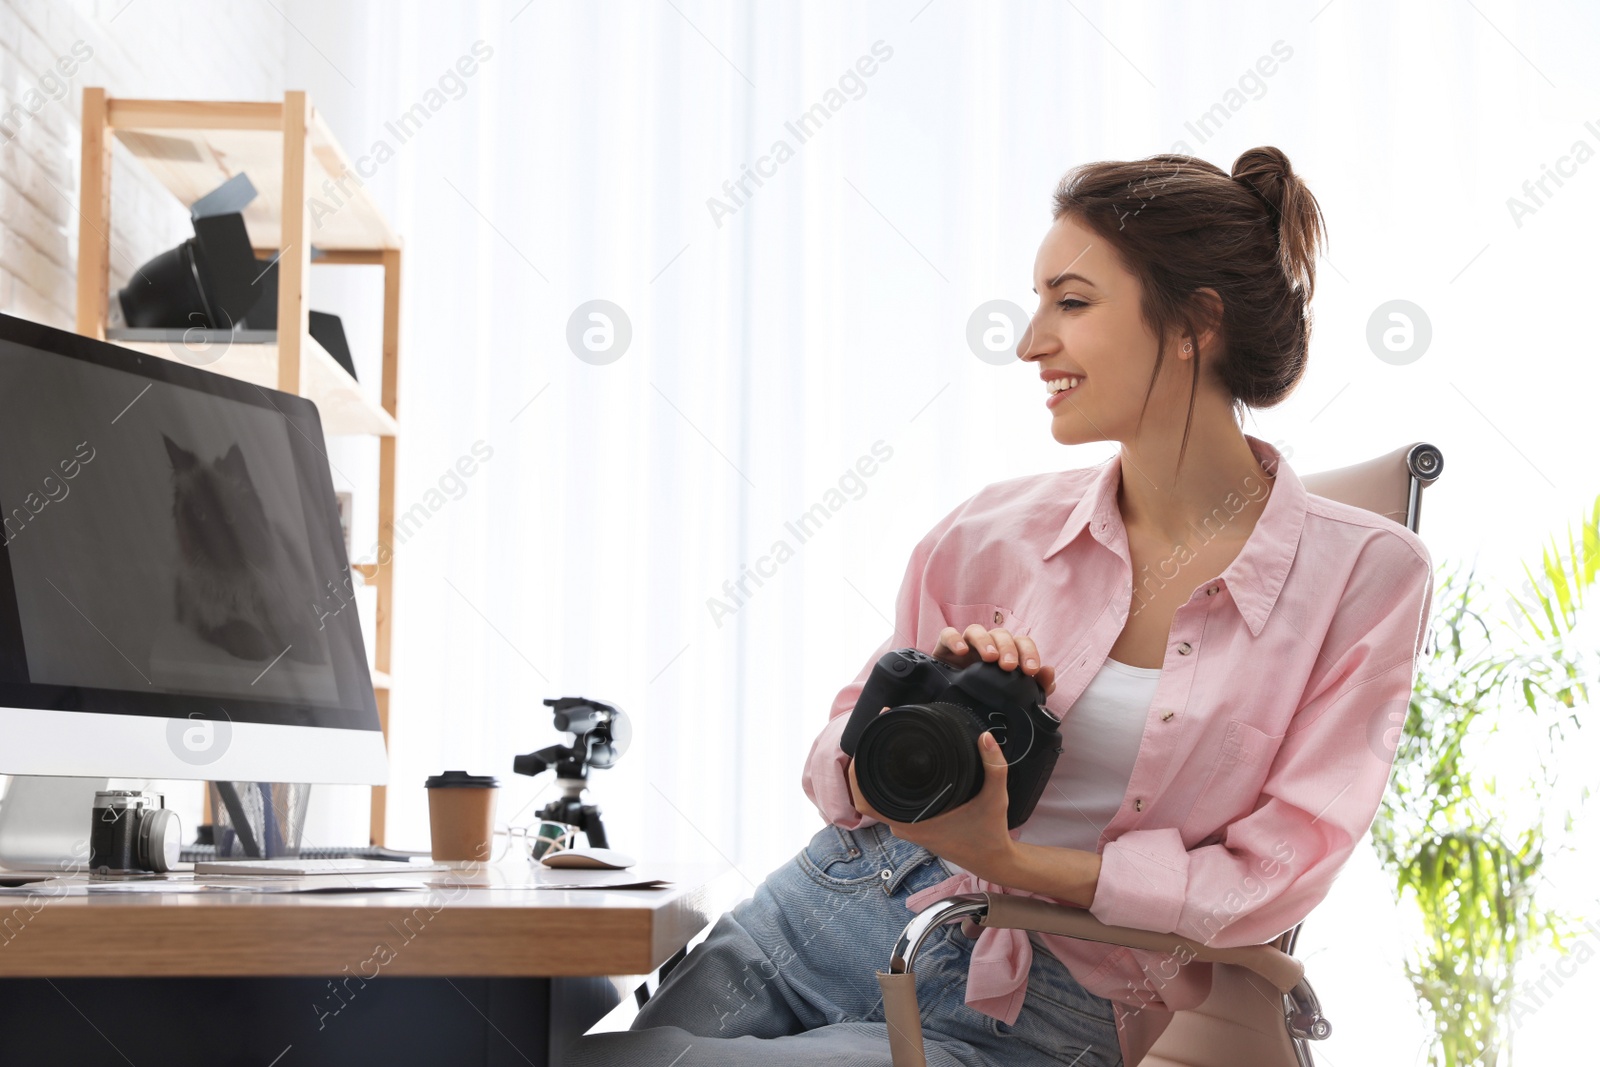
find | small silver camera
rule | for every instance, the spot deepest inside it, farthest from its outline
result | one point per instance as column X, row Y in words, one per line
column 132, row 833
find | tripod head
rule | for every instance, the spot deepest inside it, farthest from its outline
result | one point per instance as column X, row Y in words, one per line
column 600, row 736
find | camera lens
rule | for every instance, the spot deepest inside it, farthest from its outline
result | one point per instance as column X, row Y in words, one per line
column 918, row 760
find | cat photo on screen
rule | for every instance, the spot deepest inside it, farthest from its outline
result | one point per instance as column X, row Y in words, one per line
column 239, row 586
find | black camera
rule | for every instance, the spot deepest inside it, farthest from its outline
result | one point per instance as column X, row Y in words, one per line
column 132, row 833
column 920, row 758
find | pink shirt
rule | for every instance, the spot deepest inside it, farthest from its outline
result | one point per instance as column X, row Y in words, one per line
column 1265, row 750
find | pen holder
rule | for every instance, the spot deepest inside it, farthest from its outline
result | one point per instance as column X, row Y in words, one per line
column 258, row 820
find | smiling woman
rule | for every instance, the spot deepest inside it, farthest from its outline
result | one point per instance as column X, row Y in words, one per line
column 1172, row 295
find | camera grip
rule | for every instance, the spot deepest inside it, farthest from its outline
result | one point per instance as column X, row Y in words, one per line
column 875, row 696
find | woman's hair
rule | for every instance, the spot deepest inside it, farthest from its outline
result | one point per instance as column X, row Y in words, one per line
column 1179, row 224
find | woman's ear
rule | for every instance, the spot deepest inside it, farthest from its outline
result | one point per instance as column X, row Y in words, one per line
column 1208, row 318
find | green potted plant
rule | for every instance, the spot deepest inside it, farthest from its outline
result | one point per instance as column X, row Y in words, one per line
column 1477, row 804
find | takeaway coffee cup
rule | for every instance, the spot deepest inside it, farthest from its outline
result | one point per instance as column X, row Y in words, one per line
column 461, row 816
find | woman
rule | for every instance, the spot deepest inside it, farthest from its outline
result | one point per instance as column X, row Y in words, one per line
column 1226, row 652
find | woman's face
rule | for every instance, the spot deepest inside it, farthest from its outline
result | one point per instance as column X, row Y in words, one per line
column 1088, row 327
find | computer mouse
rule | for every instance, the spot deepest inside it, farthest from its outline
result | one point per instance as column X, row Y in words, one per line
column 588, row 856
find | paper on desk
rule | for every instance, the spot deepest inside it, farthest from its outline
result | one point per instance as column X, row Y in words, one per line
column 67, row 887
column 389, row 883
column 79, row 887
column 648, row 883
column 244, row 869
column 651, row 883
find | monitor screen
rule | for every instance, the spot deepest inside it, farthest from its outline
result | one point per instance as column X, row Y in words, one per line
column 172, row 544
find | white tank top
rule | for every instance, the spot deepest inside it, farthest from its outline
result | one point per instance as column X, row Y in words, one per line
column 1099, row 741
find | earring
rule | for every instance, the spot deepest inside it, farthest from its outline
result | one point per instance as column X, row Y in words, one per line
column 1187, row 346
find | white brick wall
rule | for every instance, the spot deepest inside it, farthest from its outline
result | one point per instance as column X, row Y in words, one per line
column 141, row 48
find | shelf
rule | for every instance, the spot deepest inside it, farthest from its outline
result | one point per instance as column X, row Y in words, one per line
column 193, row 146
column 252, row 356
column 301, row 215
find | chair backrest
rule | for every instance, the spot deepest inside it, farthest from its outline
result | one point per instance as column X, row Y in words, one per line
column 1390, row 484
column 1240, row 1024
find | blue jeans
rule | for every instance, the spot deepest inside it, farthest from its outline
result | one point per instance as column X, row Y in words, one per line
column 788, row 978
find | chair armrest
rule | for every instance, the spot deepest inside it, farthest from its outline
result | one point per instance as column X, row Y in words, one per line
column 1302, row 1015
column 1007, row 910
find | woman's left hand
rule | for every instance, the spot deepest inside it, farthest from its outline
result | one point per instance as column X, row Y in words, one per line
column 972, row 835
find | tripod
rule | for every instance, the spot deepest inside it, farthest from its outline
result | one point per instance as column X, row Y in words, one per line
column 600, row 733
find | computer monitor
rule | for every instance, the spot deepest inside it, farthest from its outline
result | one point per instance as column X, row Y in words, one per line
column 175, row 598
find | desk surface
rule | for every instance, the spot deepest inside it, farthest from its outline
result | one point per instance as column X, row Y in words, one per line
column 456, row 928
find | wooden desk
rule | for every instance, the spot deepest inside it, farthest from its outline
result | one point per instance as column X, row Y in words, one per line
column 482, row 975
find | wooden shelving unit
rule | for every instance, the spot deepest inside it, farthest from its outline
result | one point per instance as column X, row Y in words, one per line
column 192, row 146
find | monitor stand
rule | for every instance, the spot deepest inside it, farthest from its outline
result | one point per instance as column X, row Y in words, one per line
column 44, row 822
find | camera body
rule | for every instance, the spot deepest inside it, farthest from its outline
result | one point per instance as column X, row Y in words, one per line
column 132, row 833
column 921, row 758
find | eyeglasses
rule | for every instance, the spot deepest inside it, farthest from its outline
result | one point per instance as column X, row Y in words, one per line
column 542, row 839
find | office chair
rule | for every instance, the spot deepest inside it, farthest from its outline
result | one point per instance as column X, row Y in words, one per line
column 1261, row 1011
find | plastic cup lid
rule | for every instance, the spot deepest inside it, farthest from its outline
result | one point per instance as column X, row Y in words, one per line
column 461, row 779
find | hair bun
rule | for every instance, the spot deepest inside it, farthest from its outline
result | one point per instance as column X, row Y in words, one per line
column 1293, row 211
column 1265, row 171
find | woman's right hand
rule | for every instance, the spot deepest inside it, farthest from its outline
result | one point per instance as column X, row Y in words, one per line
column 994, row 646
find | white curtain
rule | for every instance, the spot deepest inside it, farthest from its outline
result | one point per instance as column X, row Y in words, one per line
column 779, row 337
